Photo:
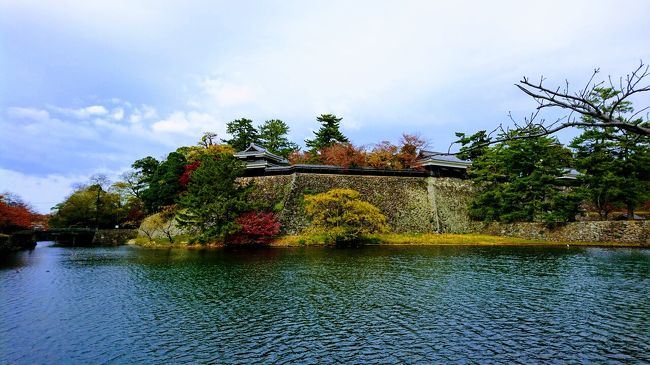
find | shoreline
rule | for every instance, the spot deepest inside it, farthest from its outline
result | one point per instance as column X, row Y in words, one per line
column 393, row 239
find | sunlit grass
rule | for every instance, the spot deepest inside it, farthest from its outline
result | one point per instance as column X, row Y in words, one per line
column 469, row 239
column 422, row 239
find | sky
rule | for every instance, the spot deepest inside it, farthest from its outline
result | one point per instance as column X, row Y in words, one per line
column 88, row 87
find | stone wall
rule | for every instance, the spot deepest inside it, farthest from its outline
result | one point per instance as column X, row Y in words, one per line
column 411, row 204
column 605, row 231
column 16, row 243
column 420, row 205
column 449, row 199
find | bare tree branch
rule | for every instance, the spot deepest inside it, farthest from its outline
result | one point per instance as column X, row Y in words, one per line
column 585, row 108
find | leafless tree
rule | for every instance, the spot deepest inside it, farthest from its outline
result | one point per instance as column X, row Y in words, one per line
column 582, row 107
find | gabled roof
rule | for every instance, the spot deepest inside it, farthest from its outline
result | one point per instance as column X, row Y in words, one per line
column 256, row 151
column 570, row 174
column 431, row 158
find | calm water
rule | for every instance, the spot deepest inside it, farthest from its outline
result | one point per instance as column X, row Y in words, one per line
column 323, row 305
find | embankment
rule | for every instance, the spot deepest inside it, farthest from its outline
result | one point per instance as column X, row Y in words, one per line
column 411, row 204
column 606, row 231
column 427, row 204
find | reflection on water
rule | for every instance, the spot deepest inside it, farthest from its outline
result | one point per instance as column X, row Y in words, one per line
column 325, row 305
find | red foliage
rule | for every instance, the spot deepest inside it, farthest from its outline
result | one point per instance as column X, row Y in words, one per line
column 303, row 158
column 187, row 174
column 410, row 147
column 255, row 228
column 16, row 215
column 345, row 155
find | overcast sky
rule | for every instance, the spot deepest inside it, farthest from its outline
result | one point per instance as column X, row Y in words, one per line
column 91, row 86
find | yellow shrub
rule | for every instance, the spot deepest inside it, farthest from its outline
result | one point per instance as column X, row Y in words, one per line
column 343, row 216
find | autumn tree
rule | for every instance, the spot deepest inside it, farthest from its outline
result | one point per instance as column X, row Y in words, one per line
column 343, row 217
column 384, row 156
column 255, row 227
column 343, row 154
column 273, row 137
column 161, row 223
column 16, row 214
column 328, row 134
column 304, row 158
column 409, row 150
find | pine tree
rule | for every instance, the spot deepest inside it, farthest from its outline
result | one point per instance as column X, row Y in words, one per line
column 615, row 164
column 328, row 134
column 243, row 134
column 214, row 200
column 273, row 137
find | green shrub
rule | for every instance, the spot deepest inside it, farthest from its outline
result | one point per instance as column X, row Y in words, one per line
column 343, row 217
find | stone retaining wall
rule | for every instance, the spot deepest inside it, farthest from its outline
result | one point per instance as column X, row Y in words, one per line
column 411, row 204
column 604, row 231
column 423, row 204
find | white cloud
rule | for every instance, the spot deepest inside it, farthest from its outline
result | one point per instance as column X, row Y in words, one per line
column 225, row 93
column 117, row 114
column 386, row 67
column 28, row 113
column 80, row 113
column 189, row 124
column 42, row 192
column 144, row 112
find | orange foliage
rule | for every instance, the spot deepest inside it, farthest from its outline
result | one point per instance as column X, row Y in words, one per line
column 303, row 158
column 345, row 155
column 384, row 156
column 16, row 215
column 410, row 147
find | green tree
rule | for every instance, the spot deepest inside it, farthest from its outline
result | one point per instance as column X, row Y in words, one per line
column 243, row 134
column 213, row 199
column 517, row 180
column 164, row 184
column 615, row 163
column 273, row 137
column 343, row 216
column 328, row 134
column 89, row 206
column 141, row 176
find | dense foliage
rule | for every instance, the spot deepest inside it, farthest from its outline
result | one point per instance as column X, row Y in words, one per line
column 213, row 199
column 98, row 205
column 383, row 155
column 615, row 163
column 273, row 137
column 15, row 215
column 255, row 227
column 163, row 185
column 518, row 180
column 342, row 216
column 328, row 134
column 243, row 134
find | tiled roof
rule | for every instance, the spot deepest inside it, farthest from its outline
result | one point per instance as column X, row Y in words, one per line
column 255, row 150
column 441, row 158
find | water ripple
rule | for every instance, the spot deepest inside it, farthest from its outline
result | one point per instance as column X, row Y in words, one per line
column 377, row 305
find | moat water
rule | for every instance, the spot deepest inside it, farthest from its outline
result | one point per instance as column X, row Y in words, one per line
column 371, row 305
